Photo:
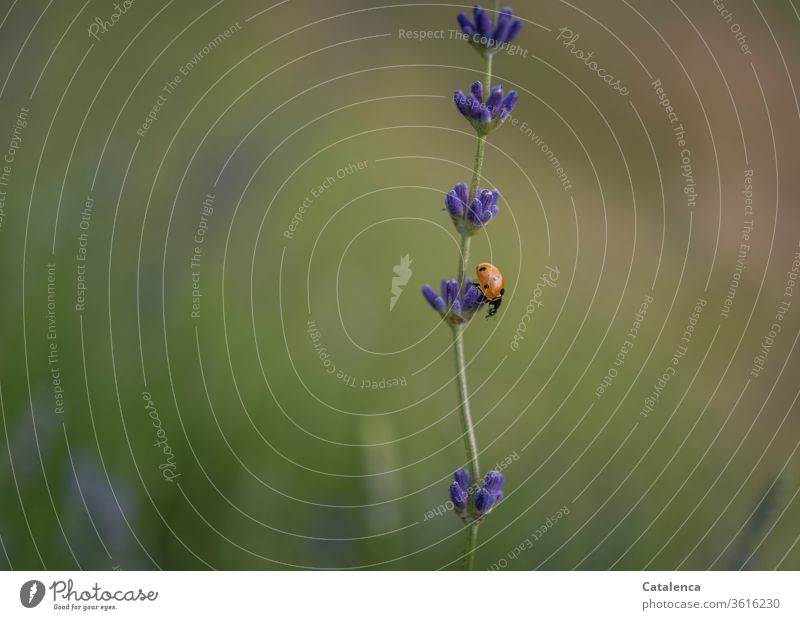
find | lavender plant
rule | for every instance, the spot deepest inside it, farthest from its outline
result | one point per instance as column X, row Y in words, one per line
column 471, row 208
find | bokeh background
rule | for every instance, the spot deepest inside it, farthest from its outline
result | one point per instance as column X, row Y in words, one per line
column 274, row 461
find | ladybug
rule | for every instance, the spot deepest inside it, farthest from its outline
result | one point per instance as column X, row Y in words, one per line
column 492, row 284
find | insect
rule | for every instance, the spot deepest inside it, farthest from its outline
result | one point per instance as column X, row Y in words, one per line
column 492, row 284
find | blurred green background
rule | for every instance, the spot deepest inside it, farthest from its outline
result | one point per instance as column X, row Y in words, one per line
column 277, row 462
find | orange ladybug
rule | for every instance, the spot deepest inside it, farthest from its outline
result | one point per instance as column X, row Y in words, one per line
column 492, row 284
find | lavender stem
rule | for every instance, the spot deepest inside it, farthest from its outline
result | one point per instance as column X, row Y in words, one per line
column 470, row 442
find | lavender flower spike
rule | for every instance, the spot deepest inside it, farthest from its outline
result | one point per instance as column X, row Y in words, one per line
column 470, row 217
column 456, row 305
column 486, row 37
column 486, row 116
column 487, row 496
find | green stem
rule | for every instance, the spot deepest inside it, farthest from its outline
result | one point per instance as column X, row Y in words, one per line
column 469, row 551
column 470, row 443
column 487, row 73
column 481, row 145
column 466, row 415
column 463, row 260
column 476, row 168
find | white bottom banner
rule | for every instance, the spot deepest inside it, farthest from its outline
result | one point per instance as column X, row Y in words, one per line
column 388, row 595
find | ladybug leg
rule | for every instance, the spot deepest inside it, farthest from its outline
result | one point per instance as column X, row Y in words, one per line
column 494, row 305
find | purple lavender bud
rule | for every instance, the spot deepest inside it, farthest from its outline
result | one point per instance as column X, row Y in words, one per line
column 493, row 482
column 450, row 292
column 454, row 204
column 483, row 22
column 473, row 105
column 462, row 477
column 461, row 102
column 472, row 298
column 485, row 115
column 484, row 500
column 510, row 101
column 485, row 216
column 458, row 496
column 485, row 197
column 477, row 91
column 462, row 191
column 504, row 21
column 495, row 97
column 467, row 27
column 490, row 199
column 480, row 205
column 483, row 207
column 514, row 30
column 433, row 298
column 499, row 497
column 475, row 211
